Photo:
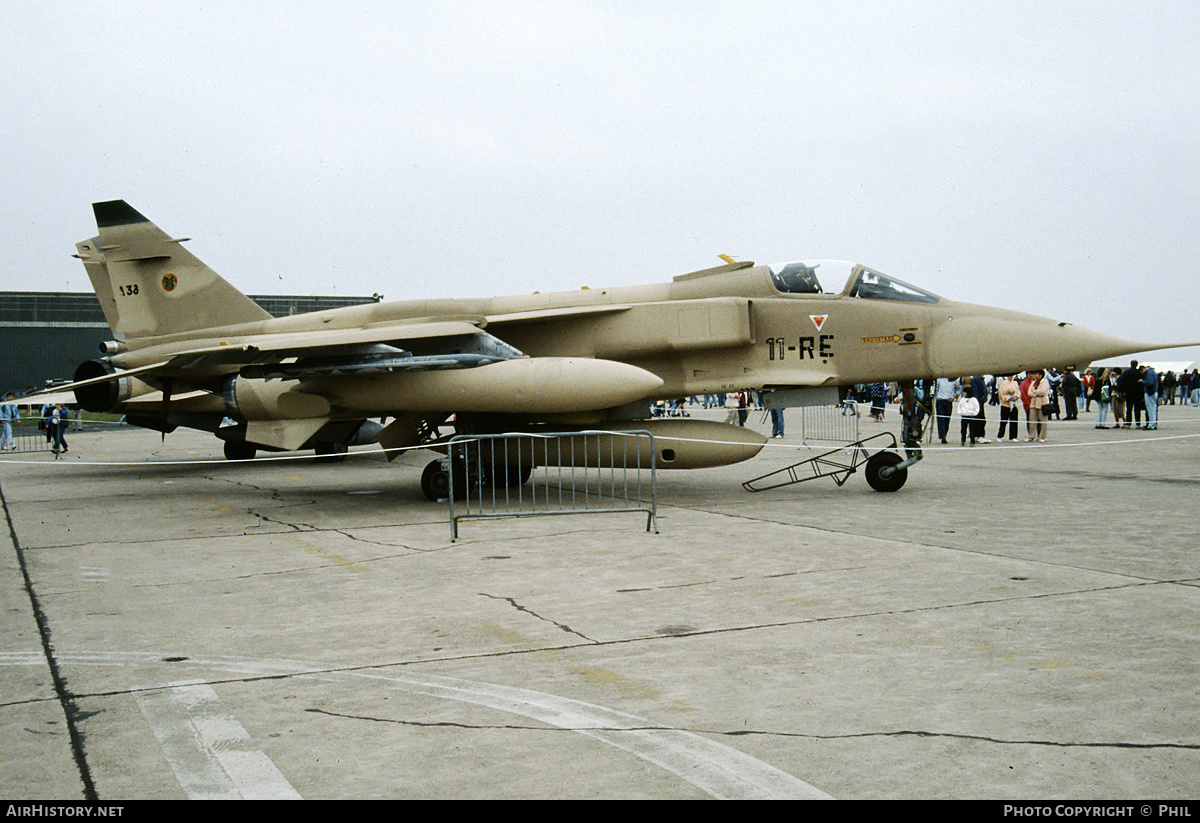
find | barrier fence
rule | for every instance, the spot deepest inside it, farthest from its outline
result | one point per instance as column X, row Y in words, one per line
column 523, row 475
column 29, row 438
column 829, row 423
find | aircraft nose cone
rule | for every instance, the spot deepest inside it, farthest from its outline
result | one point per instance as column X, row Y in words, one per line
column 966, row 342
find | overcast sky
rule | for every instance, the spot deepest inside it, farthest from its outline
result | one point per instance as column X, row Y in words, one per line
column 1040, row 156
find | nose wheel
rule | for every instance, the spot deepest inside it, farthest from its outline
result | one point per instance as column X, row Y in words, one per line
column 882, row 474
column 886, row 470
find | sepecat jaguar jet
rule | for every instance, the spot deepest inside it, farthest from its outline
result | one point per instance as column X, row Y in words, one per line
column 191, row 350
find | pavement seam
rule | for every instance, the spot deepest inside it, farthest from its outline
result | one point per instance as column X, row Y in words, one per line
column 65, row 699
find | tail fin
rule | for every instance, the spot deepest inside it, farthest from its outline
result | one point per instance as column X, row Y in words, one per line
column 149, row 285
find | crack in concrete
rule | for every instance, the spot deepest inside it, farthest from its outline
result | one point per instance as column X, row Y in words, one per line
column 297, row 526
column 275, row 495
column 446, row 724
column 369, row 542
column 976, row 737
column 512, row 602
column 262, row 518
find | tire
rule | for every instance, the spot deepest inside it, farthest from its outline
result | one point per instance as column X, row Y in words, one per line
column 879, row 461
column 330, row 452
column 239, row 450
column 508, row 475
column 435, row 482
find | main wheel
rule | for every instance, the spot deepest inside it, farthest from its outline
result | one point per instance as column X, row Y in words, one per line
column 330, row 452
column 506, row 474
column 876, row 476
column 239, row 450
column 435, row 481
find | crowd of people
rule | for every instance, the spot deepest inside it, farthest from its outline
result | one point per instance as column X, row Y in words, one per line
column 1128, row 394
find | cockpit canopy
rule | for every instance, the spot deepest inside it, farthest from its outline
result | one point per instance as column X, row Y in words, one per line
column 796, row 278
column 801, row 278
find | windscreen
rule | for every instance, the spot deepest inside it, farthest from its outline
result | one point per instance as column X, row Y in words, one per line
column 871, row 285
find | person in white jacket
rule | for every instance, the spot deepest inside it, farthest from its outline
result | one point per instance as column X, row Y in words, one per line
column 968, row 410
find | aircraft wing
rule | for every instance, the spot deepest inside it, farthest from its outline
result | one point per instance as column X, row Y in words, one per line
column 454, row 344
column 266, row 348
column 51, row 396
column 301, row 343
column 381, row 359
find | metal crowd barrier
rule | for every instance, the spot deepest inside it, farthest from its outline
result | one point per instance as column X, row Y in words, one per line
column 27, row 438
column 523, row 475
column 829, row 423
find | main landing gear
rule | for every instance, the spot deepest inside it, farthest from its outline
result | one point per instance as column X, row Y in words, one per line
column 329, row 451
column 239, row 450
column 435, row 480
column 472, row 474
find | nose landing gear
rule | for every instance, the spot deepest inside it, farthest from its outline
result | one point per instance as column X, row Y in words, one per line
column 885, row 470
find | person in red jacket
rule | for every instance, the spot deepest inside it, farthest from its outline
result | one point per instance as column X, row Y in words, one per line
column 1025, row 384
